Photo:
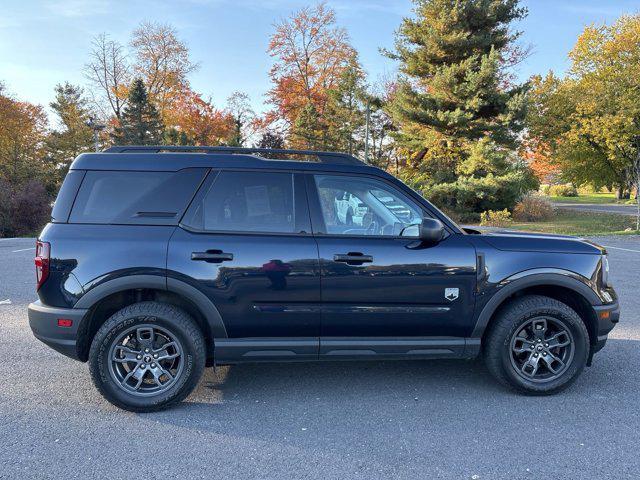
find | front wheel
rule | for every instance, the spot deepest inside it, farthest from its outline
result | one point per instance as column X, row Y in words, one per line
column 146, row 357
column 536, row 345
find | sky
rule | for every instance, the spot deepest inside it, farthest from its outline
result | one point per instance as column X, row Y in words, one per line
column 43, row 43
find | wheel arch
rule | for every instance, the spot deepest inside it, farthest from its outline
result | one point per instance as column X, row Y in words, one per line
column 566, row 287
column 109, row 297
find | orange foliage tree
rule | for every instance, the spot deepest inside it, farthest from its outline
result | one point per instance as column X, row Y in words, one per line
column 311, row 54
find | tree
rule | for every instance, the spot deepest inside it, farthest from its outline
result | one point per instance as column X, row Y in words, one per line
column 244, row 118
column 73, row 136
column 198, row 121
column 162, row 62
column 456, row 88
column 591, row 118
column 23, row 129
column 140, row 123
column 311, row 54
column 108, row 70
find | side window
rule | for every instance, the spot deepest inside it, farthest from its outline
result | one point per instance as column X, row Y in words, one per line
column 246, row 202
column 136, row 198
column 365, row 206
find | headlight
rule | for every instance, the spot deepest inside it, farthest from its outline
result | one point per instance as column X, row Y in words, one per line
column 606, row 281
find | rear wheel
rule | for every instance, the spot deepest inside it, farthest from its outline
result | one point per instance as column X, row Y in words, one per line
column 146, row 357
column 536, row 345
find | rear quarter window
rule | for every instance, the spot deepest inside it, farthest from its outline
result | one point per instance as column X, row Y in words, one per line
column 137, row 198
column 66, row 196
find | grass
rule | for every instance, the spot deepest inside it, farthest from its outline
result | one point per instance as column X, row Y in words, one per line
column 571, row 222
column 599, row 198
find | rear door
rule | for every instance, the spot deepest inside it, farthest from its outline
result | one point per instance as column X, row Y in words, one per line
column 377, row 281
column 246, row 243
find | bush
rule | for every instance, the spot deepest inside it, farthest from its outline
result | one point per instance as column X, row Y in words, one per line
column 24, row 209
column 495, row 218
column 533, row 208
column 469, row 196
column 566, row 190
column 544, row 188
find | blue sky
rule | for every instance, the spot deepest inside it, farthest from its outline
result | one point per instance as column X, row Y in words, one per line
column 46, row 42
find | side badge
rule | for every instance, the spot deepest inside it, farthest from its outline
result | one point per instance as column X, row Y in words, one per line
column 451, row 293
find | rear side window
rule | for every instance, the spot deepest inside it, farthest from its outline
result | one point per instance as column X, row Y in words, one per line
column 144, row 198
column 246, row 202
column 64, row 201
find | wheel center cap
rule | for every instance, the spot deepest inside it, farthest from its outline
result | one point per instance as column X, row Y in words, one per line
column 539, row 348
column 147, row 358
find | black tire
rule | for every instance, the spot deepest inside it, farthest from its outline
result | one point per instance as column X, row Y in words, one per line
column 162, row 323
column 506, row 346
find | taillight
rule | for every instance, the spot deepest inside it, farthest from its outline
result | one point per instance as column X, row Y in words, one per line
column 43, row 251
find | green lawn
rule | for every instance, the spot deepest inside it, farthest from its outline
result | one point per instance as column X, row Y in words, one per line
column 571, row 222
column 589, row 198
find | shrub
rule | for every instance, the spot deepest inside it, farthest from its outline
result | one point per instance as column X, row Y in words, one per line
column 566, row 190
column 495, row 218
column 544, row 188
column 533, row 208
column 24, row 209
column 469, row 196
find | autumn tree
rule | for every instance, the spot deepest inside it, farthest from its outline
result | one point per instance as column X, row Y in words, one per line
column 243, row 117
column 197, row 122
column 108, row 70
column 591, row 118
column 311, row 53
column 162, row 61
column 140, row 122
column 72, row 136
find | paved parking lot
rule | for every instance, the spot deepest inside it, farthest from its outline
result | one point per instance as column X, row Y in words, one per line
column 438, row 419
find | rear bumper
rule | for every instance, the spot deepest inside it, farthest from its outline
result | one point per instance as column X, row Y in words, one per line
column 608, row 316
column 43, row 321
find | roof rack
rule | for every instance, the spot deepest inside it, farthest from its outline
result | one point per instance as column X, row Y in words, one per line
column 323, row 157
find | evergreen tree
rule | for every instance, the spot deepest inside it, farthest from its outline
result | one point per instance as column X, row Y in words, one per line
column 73, row 137
column 454, row 57
column 140, row 123
column 458, row 111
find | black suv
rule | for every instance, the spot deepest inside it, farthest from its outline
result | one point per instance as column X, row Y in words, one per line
column 159, row 261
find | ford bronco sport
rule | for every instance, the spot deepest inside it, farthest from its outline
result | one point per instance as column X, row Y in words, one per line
column 159, row 261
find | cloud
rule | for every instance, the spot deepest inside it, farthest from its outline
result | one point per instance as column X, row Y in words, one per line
column 78, row 8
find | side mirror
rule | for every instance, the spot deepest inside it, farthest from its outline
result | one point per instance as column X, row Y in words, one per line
column 431, row 230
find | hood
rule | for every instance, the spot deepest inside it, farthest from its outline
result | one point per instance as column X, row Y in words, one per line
column 516, row 241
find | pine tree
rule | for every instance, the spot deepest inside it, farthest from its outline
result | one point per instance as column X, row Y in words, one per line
column 73, row 135
column 140, row 123
column 454, row 58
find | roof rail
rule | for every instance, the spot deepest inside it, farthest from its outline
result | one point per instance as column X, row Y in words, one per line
column 323, row 157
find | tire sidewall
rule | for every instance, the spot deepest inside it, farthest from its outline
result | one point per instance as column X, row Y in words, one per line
column 99, row 357
column 580, row 354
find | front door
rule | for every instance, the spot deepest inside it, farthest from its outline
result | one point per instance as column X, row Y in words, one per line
column 246, row 243
column 377, row 282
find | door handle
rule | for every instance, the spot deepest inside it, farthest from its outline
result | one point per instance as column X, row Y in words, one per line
column 212, row 256
column 353, row 258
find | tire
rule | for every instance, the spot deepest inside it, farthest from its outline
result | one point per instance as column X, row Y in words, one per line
column 517, row 355
column 126, row 347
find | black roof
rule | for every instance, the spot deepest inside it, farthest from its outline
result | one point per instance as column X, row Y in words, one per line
column 170, row 158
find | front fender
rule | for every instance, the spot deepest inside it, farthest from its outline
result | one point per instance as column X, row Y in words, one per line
column 581, row 285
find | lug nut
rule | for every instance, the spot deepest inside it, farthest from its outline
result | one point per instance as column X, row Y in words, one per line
column 535, row 354
column 146, row 350
column 155, row 355
column 546, row 344
column 544, row 354
column 143, row 366
column 153, row 365
column 139, row 357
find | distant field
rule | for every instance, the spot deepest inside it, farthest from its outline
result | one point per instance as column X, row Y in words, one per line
column 571, row 222
column 600, row 198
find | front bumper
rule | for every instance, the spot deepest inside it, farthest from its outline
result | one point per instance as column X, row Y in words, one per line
column 607, row 317
column 43, row 321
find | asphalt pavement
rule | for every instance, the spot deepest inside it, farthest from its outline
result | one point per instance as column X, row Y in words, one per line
column 389, row 420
